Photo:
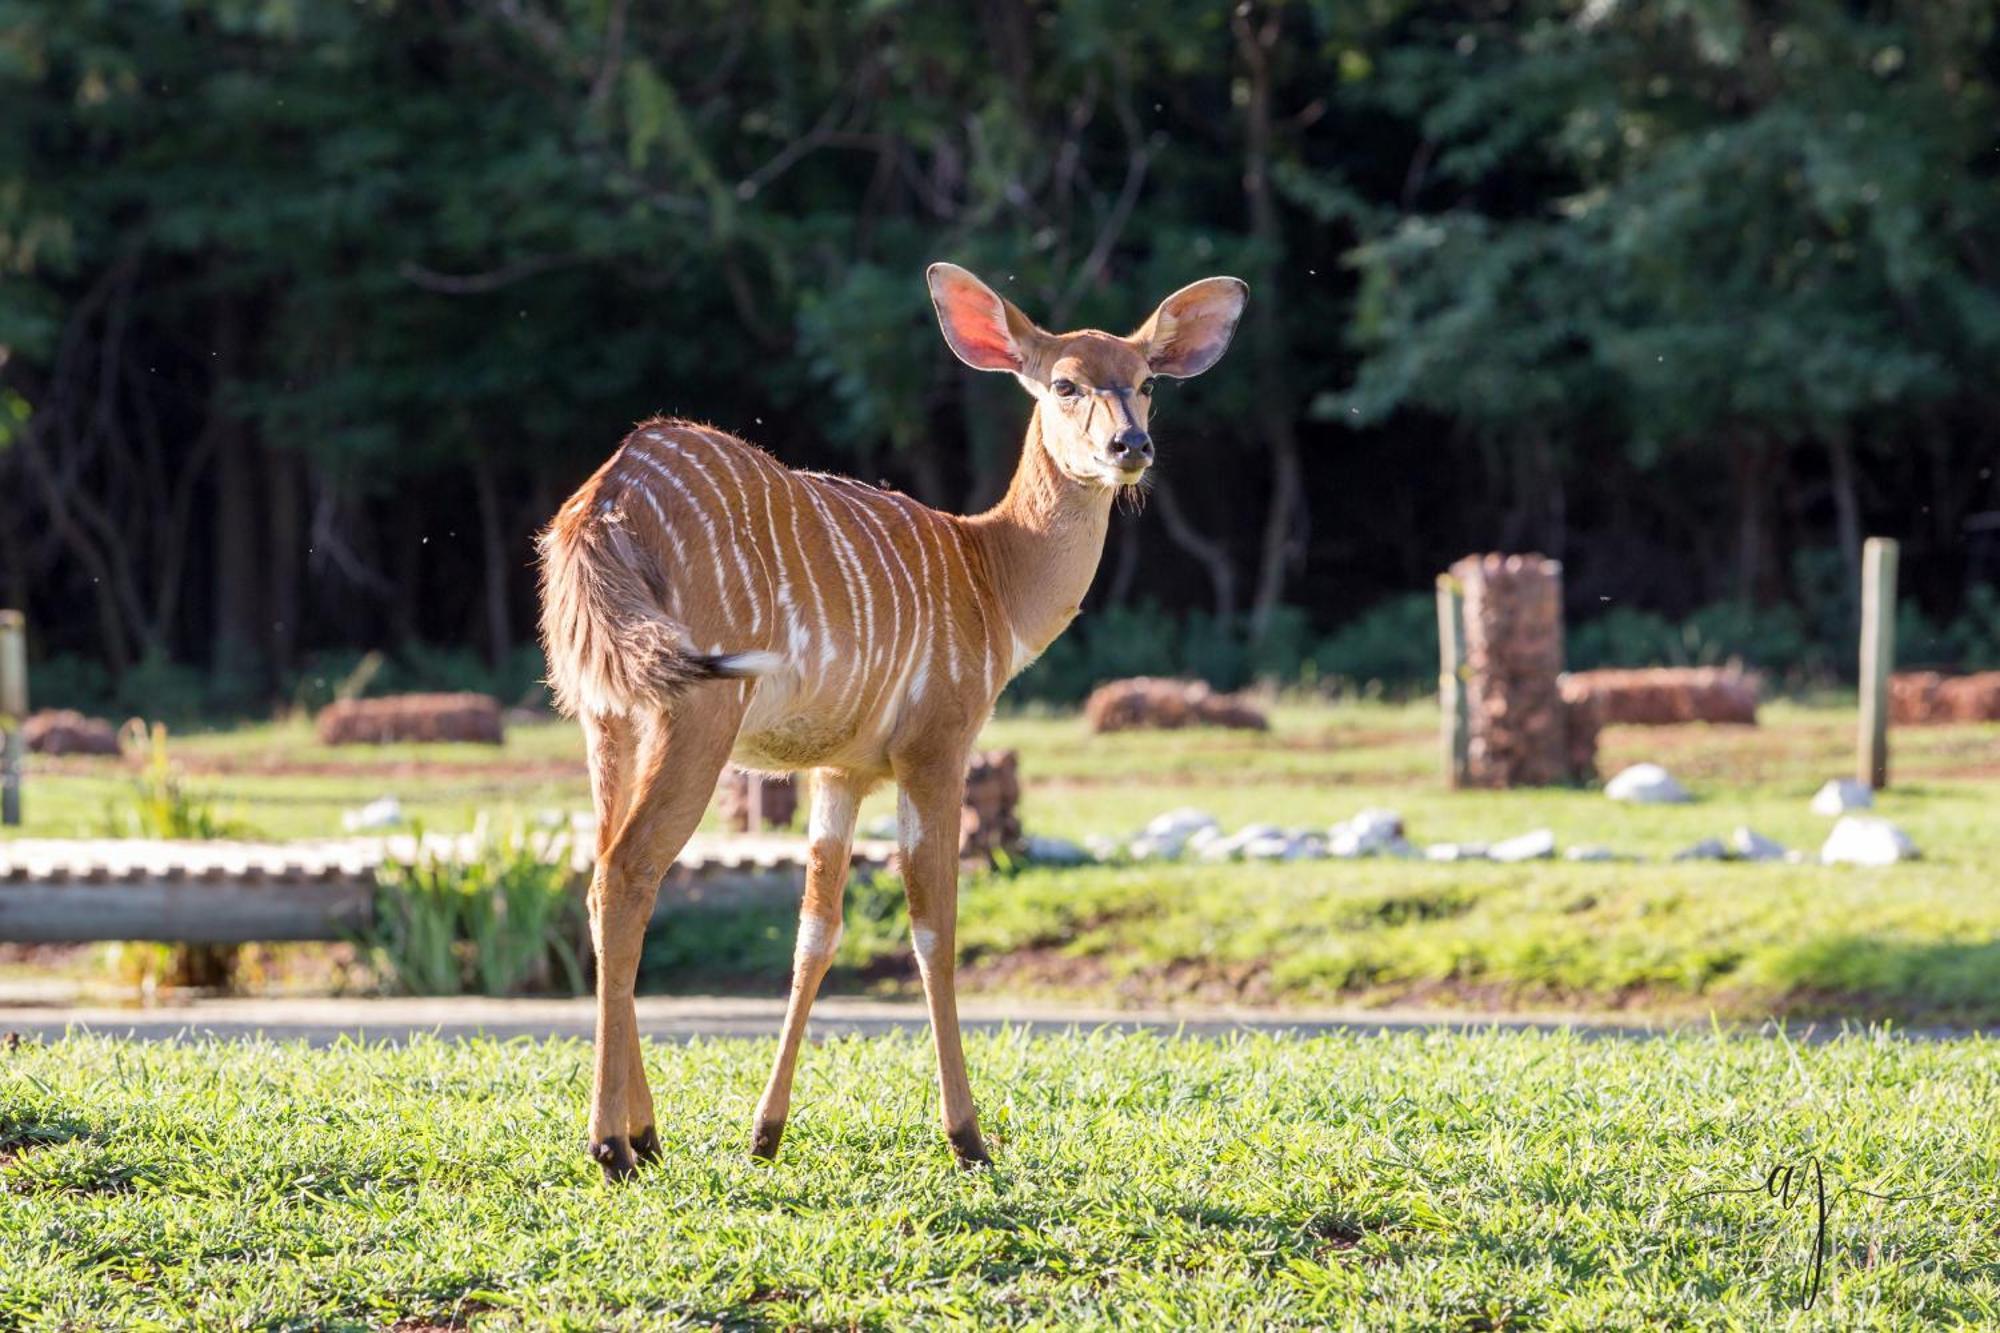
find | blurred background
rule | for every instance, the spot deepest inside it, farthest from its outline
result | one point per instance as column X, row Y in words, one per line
column 311, row 312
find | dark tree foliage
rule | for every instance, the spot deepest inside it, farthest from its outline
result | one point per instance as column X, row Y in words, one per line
column 312, row 310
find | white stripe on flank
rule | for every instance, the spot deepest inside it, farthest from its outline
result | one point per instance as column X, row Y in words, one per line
column 673, row 536
column 956, row 543
column 937, row 589
column 734, row 545
column 924, row 646
column 805, row 568
column 725, row 453
column 914, row 648
column 795, row 632
column 889, row 686
column 849, row 561
column 664, row 473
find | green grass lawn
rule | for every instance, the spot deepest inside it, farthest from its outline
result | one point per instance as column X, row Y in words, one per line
column 1918, row 942
column 1472, row 1181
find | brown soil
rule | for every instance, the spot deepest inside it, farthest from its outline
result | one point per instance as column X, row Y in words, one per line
column 280, row 765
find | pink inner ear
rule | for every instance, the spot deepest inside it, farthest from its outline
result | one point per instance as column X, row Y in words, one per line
column 978, row 328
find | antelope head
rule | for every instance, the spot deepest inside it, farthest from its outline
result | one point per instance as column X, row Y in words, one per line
column 1093, row 390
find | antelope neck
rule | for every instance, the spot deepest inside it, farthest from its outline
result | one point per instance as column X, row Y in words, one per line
column 1043, row 541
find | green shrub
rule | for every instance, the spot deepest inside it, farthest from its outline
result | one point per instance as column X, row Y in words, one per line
column 163, row 806
column 155, row 687
column 1623, row 636
column 69, row 681
column 1393, row 645
column 1974, row 638
column 500, row 921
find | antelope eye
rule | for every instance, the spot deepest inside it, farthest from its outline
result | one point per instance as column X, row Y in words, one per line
column 1146, row 388
column 1064, row 388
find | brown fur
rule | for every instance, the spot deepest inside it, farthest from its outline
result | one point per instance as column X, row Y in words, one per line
column 702, row 602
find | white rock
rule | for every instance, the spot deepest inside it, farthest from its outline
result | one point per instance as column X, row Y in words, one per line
column 1456, row 851
column 1167, row 836
column 1746, row 844
column 1840, row 795
column 1536, row 846
column 1866, row 840
column 1401, row 850
column 1646, row 784
column 1103, row 848
column 1055, row 851
column 1367, row 833
column 1591, row 854
column 1183, row 821
column 1276, row 847
column 1237, row 843
column 1708, row 849
column 384, row 812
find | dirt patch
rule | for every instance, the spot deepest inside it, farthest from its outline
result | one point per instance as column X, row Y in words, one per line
column 1049, row 969
column 278, row 764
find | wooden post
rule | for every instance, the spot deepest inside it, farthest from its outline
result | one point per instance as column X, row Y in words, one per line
column 1878, row 659
column 755, row 801
column 13, row 711
column 1452, row 702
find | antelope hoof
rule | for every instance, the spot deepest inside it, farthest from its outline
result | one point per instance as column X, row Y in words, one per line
column 615, row 1156
column 765, row 1138
column 969, row 1147
column 646, row 1146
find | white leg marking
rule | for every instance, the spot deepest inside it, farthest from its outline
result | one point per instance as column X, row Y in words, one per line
column 831, row 816
column 817, row 940
column 909, row 823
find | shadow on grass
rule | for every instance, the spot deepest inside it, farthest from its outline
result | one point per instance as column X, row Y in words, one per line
column 1869, row 978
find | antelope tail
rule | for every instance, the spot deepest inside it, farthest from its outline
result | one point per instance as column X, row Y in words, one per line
column 610, row 646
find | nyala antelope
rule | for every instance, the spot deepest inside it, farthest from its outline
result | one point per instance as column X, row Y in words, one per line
column 703, row 603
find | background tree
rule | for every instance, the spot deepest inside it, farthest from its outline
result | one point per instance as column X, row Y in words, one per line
column 311, row 312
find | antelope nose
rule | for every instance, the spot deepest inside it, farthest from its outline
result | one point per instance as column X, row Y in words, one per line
column 1131, row 446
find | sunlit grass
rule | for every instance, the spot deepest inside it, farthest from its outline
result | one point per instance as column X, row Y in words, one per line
column 1484, row 1180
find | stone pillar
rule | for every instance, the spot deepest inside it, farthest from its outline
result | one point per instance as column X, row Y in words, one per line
column 741, row 793
column 1518, row 723
column 988, row 822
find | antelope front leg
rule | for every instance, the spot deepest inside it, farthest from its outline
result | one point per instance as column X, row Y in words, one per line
column 927, row 834
column 831, row 830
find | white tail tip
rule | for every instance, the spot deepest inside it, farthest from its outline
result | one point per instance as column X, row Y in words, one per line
column 747, row 664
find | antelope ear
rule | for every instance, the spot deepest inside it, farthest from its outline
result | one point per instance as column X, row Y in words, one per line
column 1192, row 328
column 985, row 331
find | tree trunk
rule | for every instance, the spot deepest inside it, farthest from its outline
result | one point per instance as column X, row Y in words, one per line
column 282, row 501
column 493, row 547
column 1750, row 458
column 1213, row 556
column 1284, row 517
column 1846, row 503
